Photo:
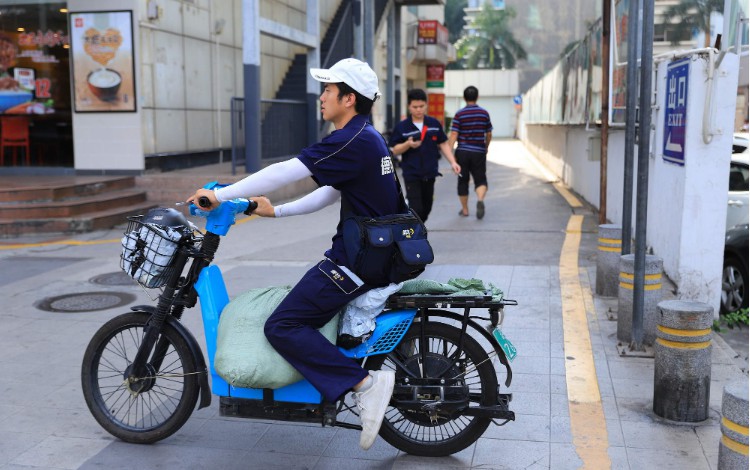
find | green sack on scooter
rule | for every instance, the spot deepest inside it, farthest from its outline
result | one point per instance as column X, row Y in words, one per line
column 244, row 357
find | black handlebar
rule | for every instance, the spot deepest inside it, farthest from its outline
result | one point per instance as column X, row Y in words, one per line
column 251, row 206
column 204, row 202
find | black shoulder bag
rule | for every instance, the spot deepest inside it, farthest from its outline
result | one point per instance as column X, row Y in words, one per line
column 389, row 248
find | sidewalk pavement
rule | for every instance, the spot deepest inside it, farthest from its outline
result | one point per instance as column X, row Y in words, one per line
column 44, row 422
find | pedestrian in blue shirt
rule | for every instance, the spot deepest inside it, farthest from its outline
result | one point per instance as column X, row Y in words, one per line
column 472, row 128
column 352, row 164
column 419, row 139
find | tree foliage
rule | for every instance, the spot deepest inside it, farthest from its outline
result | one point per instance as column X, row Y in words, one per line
column 493, row 46
column 454, row 18
column 690, row 16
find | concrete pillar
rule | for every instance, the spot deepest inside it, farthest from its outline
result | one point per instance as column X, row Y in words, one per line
column 391, row 59
column 251, row 75
column 368, row 32
column 608, row 259
column 397, row 62
column 312, row 85
column 652, row 296
column 358, row 13
column 733, row 446
column 682, row 360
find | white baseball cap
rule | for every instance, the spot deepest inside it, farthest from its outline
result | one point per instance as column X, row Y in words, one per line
column 353, row 72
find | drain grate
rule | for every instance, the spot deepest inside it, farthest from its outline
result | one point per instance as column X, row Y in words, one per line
column 118, row 278
column 85, row 302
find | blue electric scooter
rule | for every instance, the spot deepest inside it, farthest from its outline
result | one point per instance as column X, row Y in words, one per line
column 143, row 372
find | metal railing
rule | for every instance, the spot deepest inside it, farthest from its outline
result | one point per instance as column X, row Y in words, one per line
column 283, row 128
column 237, row 112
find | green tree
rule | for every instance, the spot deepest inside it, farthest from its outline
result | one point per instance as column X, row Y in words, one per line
column 689, row 16
column 454, row 18
column 493, row 45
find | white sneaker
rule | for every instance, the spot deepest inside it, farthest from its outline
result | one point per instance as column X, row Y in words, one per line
column 372, row 404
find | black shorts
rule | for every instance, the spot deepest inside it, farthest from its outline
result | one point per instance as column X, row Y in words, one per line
column 474, row 164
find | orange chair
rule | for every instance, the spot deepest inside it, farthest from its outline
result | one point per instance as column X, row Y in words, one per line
column 14, row 133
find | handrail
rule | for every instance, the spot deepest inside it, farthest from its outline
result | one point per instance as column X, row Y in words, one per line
column 283, row 101
column 341, row 24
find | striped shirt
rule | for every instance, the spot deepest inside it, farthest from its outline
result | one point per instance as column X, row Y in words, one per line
column 472, row 124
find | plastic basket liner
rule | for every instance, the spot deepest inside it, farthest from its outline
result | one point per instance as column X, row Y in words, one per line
column 148, row 251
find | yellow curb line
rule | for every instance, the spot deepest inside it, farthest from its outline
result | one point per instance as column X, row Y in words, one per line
column 59, row 242
column 587, row 424
column 565, row 193
column 85, row 242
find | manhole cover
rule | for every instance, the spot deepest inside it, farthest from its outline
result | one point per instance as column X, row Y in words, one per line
column 85, row 302
column 118, row 278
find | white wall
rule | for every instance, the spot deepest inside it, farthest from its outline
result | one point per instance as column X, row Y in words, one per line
column 496, row 91
column 109, row 141
column 690, row 218
column 686, row 205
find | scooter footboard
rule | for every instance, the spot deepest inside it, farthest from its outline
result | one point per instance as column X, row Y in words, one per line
column 268, row 408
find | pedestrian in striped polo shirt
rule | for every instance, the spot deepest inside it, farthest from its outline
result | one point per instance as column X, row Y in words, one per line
column 472, row 128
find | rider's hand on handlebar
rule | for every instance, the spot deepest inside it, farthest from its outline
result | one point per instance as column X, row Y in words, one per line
column 205, row 193
column 265, row 208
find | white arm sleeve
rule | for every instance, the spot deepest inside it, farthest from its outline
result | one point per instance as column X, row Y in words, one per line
column 316, row 200
column 266, row 180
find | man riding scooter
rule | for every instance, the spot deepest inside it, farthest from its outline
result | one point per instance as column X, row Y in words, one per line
column 352, row 164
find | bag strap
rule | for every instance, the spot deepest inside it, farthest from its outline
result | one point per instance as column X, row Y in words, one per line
column 346, row 206
column 404, row 206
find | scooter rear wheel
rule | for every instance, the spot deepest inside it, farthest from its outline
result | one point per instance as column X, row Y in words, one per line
column 146, row 409
column 445, row 432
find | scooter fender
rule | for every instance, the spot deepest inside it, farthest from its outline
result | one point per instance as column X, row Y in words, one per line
column 195, row 350
column 500, row 353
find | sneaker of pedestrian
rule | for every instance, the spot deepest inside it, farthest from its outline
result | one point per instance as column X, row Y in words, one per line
column 480, row 209
column 372, row 404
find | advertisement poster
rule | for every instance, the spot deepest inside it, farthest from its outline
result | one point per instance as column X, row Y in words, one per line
column 619, row 63
column 435, row 76
column 427, row 32
column 103, row 68
column 436, row 106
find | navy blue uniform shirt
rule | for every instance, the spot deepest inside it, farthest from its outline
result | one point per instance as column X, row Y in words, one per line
column 356, row 161
column 421, row 162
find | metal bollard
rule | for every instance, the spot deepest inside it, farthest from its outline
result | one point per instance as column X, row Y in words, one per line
column 682, row 360
column 608, row 259
column 734, row 427
column 651, row 297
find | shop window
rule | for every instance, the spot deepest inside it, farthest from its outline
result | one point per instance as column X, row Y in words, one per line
column 35, row 78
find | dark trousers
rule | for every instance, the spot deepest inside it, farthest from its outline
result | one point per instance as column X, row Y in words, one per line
column 420, row 194
column 292, row 329
column 474, row 164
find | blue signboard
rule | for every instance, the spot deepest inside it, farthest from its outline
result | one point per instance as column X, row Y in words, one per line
column 517, row 99
column 675, row 116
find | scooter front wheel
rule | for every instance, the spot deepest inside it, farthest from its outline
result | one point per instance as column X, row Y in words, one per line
column 437, row 431
column 144, row 409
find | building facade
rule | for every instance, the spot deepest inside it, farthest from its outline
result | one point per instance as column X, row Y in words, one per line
column 179, row 66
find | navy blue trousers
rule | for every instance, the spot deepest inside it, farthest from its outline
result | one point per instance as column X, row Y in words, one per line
column 292, row 331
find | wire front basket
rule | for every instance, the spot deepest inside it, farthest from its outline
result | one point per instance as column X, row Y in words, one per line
column 148, row 251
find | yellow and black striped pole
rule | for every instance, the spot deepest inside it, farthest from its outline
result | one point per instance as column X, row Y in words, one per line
column 608, row 259
column 734, row 420
column 652, row 295
column 682, row 360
